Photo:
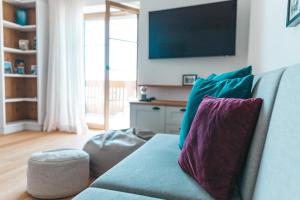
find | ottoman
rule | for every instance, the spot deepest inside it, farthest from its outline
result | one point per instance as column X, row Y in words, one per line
column 58, row 173
column 108, row 149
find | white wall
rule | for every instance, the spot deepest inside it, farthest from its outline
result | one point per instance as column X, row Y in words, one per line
column 170, row 71
column 272, row 45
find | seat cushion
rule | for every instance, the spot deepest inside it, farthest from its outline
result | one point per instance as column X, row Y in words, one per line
column 279, row 176
column 153, row 171
column 98, row 194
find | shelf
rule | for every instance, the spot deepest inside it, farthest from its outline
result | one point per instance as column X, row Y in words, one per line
column 22, row 3
column 21, row 122
column 161, row 103
column 165, row 86
column 15, row 100
column 20, row 75
column 19, row 51
column 11, row 25
column 21, row 125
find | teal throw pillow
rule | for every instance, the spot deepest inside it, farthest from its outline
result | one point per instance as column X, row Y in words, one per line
column 234, row 74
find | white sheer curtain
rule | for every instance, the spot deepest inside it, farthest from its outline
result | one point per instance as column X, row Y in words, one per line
column 65, row 89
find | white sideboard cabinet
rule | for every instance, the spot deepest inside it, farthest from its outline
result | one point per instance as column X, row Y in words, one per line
column 157, row 116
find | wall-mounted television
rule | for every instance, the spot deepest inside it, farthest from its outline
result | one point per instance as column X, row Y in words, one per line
column 195, row 31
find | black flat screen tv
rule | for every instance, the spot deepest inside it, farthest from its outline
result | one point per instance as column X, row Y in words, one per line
column 195, row 31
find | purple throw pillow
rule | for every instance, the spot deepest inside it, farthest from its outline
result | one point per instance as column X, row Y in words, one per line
column 217, row 144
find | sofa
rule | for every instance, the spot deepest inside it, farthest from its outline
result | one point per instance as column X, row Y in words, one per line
column 271, row 170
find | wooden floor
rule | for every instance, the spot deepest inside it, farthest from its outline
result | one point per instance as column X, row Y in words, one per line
column 15, row 150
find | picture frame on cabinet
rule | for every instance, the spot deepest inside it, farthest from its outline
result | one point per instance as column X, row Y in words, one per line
column 189, row 79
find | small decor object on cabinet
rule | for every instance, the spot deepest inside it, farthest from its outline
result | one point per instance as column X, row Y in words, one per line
column 24, row 44
column 21, row 17
column 8, row 67
column 143, row 91
column 20, row 67
column 189, row 79
column 293, row 18
column 33, row 69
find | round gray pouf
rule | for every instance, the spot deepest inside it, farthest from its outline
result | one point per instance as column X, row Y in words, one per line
column 57, row 174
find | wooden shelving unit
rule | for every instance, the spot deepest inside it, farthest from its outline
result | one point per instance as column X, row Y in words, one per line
column 23, row 95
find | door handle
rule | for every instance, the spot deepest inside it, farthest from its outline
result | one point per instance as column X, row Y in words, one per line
column 156, row 108
column 182, row 110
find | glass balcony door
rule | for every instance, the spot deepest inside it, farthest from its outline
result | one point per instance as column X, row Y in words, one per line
column 110, row 64
column 123, row 22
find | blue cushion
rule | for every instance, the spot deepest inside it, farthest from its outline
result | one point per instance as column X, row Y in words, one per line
column 234, row 74
column 211, row 77
column 230, row 75
column 229, row 88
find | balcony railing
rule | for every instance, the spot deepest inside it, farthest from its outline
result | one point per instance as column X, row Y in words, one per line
column 120, row 93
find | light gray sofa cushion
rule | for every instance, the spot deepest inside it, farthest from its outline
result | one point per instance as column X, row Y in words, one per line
column 279, row 172
column 100, row 194
column 107, row 149
column 265, row 87
column 153, row 171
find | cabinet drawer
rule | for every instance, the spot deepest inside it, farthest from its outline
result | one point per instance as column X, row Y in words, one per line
column 173, row 129
column 148, row 118
column 174, row 115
